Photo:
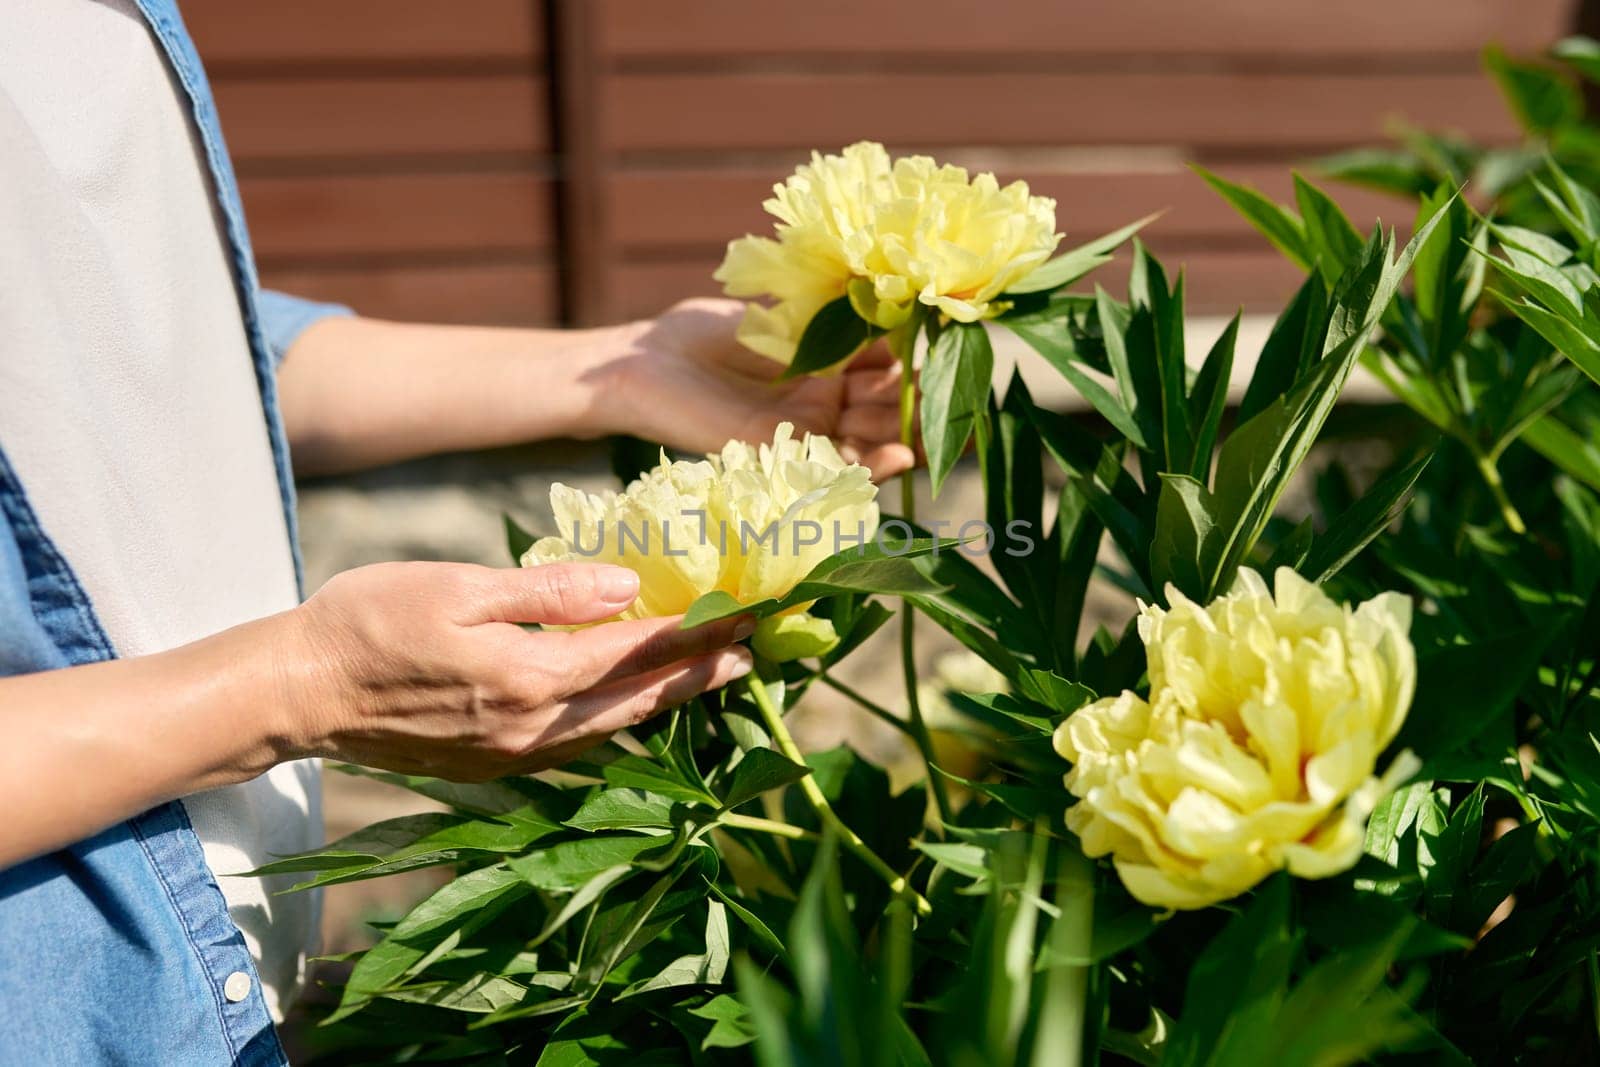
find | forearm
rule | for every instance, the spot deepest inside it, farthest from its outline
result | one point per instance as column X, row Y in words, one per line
column 86, row 747
column 362, row 392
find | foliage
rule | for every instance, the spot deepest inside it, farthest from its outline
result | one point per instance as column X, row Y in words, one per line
column 695, row 893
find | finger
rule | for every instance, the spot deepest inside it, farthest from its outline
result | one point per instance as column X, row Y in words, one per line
column 874, row 355
column 873, row 385
column 621, row 650
column 563, row 594
column 886, row 461
column 604, row 710
column 869, row 424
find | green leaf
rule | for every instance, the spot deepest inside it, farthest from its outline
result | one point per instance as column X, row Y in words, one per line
column 706, row 968
column 1062, row 358
column 1053, row 691
column 1462, row 688
column 731, row 1026
column 1445, row 859
column 1578, row 206
column 856, row 628
column 1260, row 456
column 637, row 772
column 1508, row 863
column 885, row 565
column 480, row 994
column 622, row 809
column 834, row 334
column 1277, row 224
column 458, row 908
column 1074, row 264
column 955, row 392
column 1543, row 99
column 716, row 605
column 567, row 866
column 1237, row 986
column 1389, row 170
column 1314, row 1024
column 1185, row 522
column 1570, row 340
column 1295, row 341
column 1330, row 237
column 1582, row 53
column 1393, row 817
column 760, row 770
column 518, row 540
column 964, row 859
column 758, row 928
column 1445, row 285
column 1355, row 528
column 580, row 900
column 1208, row 398
column 405, row 843
column 499, row 797
column 1013, row 708
column 1024, row 801
column 1177, row 434
column 472, row 895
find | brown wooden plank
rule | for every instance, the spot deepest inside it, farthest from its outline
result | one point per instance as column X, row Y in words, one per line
column 272, row 119
column 301, row 217
column 1217, row 281
column 232, row 34
column 504, row 294
column 1284, row 112
column 582, row 162
column 652, row 208
column 650, row 28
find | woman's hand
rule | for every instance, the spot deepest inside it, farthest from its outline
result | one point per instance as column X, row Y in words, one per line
column 417, row 667
column 358, row 393
column 684, row 380
column 424, row 668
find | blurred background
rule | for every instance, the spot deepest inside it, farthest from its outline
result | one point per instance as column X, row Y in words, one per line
column 578, row 161
column 573, row 162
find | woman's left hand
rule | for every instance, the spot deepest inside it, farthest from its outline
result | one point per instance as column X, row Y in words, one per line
column 684, row 380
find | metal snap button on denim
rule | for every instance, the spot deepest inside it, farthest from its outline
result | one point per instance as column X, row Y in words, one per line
column 236, row 987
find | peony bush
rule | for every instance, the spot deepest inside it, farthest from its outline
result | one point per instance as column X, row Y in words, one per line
column 1328, row 794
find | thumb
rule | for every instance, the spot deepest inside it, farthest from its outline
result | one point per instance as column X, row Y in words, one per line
column 563, row 594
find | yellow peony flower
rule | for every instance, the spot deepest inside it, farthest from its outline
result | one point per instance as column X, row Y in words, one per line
column 751, row 522
column 1257, row 748
column 887, row 233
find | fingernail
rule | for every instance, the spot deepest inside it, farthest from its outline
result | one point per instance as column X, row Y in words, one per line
column 741, row 668
column 746, row 627
column 617, row 585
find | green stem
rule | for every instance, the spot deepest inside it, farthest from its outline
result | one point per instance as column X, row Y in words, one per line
column 866, row 705
column 903, row 343
column 773, row 718
column 1497, row 489
column 735, row 821
column 1073, row 936
column 1594, row 991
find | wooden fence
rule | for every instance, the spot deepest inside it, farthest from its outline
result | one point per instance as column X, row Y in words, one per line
column 544, row 161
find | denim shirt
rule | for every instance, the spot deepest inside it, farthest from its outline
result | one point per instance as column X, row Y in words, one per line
column 119, row 949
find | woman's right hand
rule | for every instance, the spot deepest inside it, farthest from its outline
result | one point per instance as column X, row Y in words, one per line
column 423, row 667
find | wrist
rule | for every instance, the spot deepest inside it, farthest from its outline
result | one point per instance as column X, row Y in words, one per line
column 604, row 366
column 298, row 677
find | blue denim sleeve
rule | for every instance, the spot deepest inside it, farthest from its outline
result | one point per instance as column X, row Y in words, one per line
column 25, row 647
column 284, row 318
